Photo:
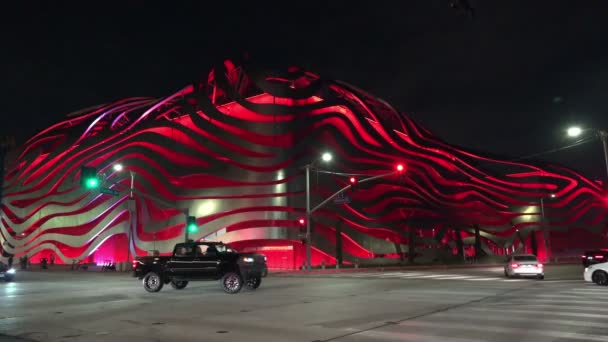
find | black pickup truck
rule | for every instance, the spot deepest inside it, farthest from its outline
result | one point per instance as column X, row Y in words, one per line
column 195, row 261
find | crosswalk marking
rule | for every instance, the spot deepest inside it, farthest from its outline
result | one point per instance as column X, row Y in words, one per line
column 485, row 279
column 455, row 277
column 498, row 329
column 408, row 336
column 550, row 312
column 424, row 275
column 499, row 317
column 546, row 313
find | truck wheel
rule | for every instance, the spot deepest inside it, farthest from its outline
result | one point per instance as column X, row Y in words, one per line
column 179, row 284
column 253, row 283
column 152, row 282
column 232, row 282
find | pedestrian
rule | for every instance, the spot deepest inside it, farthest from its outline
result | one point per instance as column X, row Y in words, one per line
column 52, row 259
column 10, row 261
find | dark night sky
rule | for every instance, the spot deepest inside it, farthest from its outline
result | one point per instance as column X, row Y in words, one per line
column 489, row 84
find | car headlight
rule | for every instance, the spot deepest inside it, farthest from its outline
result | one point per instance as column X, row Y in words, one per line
column 11, row 271
column 247, row 259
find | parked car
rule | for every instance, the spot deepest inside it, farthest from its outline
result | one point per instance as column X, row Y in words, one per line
column 524, row 265
column 6, row 273
column 201, row 261
column 594, row 257
column 597, row 273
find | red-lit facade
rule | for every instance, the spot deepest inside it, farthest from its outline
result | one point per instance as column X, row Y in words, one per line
column 231, row 150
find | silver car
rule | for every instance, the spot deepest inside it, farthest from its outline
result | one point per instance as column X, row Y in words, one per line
column 524, row 265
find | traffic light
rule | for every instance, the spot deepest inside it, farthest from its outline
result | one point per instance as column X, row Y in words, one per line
column 400, row 167
column 191, row 225
column 353, row 182
column 88, row 177
column 302, row 229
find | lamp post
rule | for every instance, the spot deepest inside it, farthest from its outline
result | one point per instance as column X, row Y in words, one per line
column 131, row 207
column 602, row 134
column 545, row 228
column 132, row 211
column 326, row 157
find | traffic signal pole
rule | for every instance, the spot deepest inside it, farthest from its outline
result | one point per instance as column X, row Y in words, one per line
column 310, row 211
column 337, row 193
column 186, row 230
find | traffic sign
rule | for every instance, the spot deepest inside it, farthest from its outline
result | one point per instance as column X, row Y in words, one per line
column 108, row 191
column 342, row 199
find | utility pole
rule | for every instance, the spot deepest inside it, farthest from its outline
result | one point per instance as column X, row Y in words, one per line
column 546, row 234
column 132, row 217
column 308, row 242
column 604, row 137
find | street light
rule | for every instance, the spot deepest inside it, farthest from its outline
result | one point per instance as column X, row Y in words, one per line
column 575, row 131
column 326, row 157
column 117, row 167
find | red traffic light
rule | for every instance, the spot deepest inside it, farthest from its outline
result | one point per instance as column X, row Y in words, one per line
column 400, row 167
column 353, row 180
column 301, row 221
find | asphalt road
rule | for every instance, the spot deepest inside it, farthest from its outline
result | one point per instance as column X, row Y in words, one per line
column 464, row 305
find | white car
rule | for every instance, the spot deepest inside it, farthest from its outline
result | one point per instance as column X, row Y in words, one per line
column 526, row 265
column 597, row 273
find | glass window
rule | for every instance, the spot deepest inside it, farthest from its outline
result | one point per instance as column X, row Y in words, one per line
column 183, row 251
column 225, row 249
column 202, row 249
column 524, row 258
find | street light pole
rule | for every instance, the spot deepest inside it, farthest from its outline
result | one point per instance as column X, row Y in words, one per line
column 547, row 236
column 602, row 134
column 604, row 137
column 308, row 242
column 132, row 211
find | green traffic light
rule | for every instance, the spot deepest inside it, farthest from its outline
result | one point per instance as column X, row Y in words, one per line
column 192, row 228
column 92, row 183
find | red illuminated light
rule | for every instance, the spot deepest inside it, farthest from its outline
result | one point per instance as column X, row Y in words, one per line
column 514, row 265
column 539, row 265
column 353, row 180
column 598, row 256
column 301, row 221
column 400, row 167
